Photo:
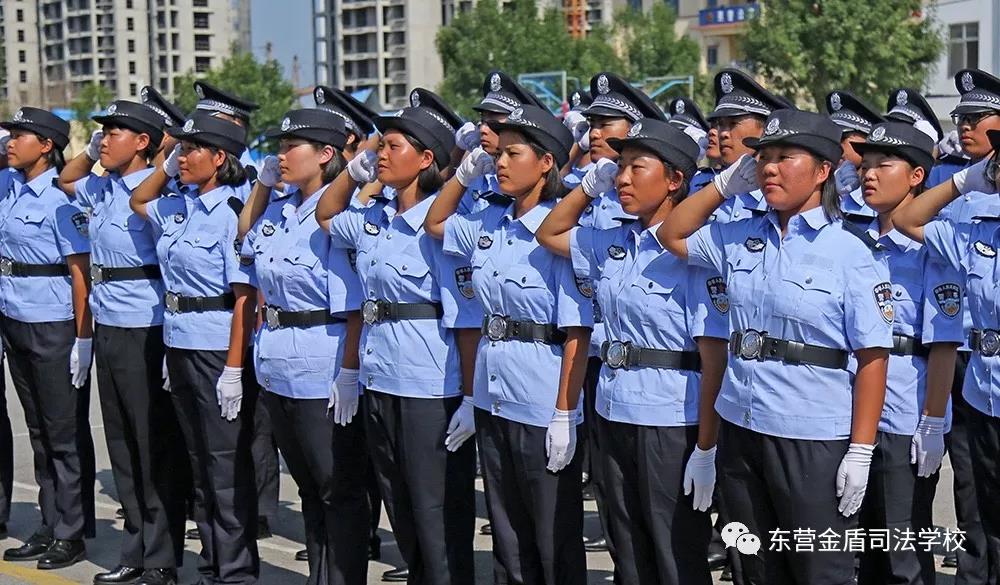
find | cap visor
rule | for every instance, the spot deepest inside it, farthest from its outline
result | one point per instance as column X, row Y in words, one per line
column 604, row 112
column 818, row 146
column 725, row 112
column 494, row 108
column 408, row 126
column 970, row 109
column 127, row 123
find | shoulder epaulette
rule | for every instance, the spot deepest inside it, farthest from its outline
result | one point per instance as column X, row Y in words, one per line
column 625, row 219
column 985, row 218
column 235, row 204
column 495, row 198
column 759, row 212
column 858, row 218
column 862, row 234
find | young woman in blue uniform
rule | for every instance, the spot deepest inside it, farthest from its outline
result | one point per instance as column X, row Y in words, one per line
column 208, row 320
column 417, row 420
column 660, row 316
column 807, row 292
column 856, row 119
column 532, row 356
column 46, row 325
column 127, row 303
column 927, row 330
column 970, row 247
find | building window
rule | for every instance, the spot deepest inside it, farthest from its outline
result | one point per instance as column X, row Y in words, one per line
column 202, row 64
column 128, row 4
column 22, row 57
column 132, row 88
column 20, row 36
column 200, row 3
column 130, row 23
column 131, row 45
column 20, row 15
column 963, row 47
column 201, row 20
column 202, row 42
column 24, row 77
column 712, row 56
column 131, row 68
column 173, row 19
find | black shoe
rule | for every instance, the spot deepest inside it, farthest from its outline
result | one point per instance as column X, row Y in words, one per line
column 263, row 528
column 716, row 560
column 120, row 574
column 302, row 555
column 398, row 575
column 32, row 550
column 374, row 548
column 62, row 554
column 486, row 530
column 950, row 560
column 193, row 534
column 158, row 577
column 595, row 544
column 120, row 513
column 727, row 574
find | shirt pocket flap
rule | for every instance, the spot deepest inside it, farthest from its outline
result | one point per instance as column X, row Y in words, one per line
column 411, row 267
column 819, row 280
column 655, row 287
column 525, row 277
column 200, row 240
column 306, row 260
column 744, row 262
column 32, row 216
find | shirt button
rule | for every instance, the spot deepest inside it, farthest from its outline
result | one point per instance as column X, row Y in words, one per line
column 371, row 293
column 496, row 273
column 388, row 236
column 510, row 242
column 737, row 214
column 373, row 263
column 746, row 417
column 368, row 351
column 404, row 266
column 524, row 279
column 809, row 280
column 370, row 380
column 650, row 285
column 493, row 378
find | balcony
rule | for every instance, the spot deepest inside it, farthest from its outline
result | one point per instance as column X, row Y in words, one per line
column 728, row 18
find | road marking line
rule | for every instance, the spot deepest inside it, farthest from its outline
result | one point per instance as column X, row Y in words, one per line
column 33, row 576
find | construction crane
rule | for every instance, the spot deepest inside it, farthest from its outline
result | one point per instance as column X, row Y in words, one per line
column 576, row 17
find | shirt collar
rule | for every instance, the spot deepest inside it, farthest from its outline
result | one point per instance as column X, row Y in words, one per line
column 213, row 198
column 132, row 180
column 414, row 216
column 532, row 219
column 901, row 241
column 815, row 219
column 40, row 183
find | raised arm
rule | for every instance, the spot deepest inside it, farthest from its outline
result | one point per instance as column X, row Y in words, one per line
column 260, row 195
column 473, row 166
column 152, row 187
column 912, row 218
column 554, row 233
column 336, row 197
column 80, row 165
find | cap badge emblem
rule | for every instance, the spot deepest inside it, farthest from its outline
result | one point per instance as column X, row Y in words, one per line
column 772, row 126
column 112, row 109
column 635, row 130
column 320, row 96
column 516, row 115
column 967, row 83
column 285, row 125
column 602, row 85
column 576, row 99
column 835, row 104
column 144, row 94
column 200, row 91
column 189, row 126
column 726, row 83
column 495, row 82
column 415, row 99
column 878, row 133
column 679, row 108
column 902, row 98
column 18, row 116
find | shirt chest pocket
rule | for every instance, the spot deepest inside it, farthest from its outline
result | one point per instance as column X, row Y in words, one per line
column 200, row 251
column 28, row 225
column 906, row 298
column 525, row 293
column 656, row 299
column 746, row 279
column 982, row 288
column 807, row 294
column 409, row 273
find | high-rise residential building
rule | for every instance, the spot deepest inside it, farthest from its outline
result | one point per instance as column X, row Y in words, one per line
column 53, row 48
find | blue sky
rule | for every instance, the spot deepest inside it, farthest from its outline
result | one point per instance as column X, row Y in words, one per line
column 287, row 25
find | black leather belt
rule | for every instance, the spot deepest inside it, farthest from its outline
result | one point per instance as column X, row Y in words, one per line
column 100, row 274
column 278, row 319
column 501, row 328
column 985, row 341
column 9, row 267
column 625, row 355
column 377, row 311
column 906, row 345
column 756, row 345
column 176, row 303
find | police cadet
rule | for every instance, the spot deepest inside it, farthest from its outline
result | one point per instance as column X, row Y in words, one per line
column 971, row 248
column 532, row 357
column 741, row 106
column 6, row 432
column 807, row 291
column 908, row 105
column 237, row 110
column 127, row 302
column 207, row 325
column 46, row 326
column 686, row 116
column 307, row 350
column 977, row 112
column 855, row 119
column 927, row 330
column 417, row 421
column 658, row 314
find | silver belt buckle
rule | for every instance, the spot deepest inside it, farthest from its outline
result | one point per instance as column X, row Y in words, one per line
column 496, row 327
column 617, row 355
column 96, row 274
column 271, row 316
column 989, row 345
column 172, row 302
column 751, row 344
column 6, row 266
column 369, row 312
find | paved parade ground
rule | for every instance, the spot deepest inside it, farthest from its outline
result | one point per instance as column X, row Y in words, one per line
column 277, row 553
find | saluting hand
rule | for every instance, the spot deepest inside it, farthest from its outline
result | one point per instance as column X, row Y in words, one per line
column 363, row 168
column 577, row 123
column 94, row 146
column 467, row 137
column 927, row 446
column 739, row 177
column 229, row 392
column 79, row 361
column 600, row 178
column 462, row 425
column 344, row 395
column 560, row 440
column 852, row 477
column 846, row 177
column 270, row 172
column 699, row 477
column 172, row 165
column 475, row 165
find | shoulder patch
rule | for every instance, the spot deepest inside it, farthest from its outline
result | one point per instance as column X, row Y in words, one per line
column 949, row 299
column 718, row 293
column 616, row 252
column 754, row 244
column 985, row 250
column 81, row 221
column 862, row 234
column 485, row 242
column 883, row 298
column 371, row 229
column 463, row 280
column 235, row 204
column 585, row 286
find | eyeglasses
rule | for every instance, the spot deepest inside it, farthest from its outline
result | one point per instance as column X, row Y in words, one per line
column 971, row 120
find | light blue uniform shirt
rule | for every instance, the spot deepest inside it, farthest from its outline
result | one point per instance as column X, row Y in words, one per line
column 927, row 298
column 740, row 207
column 854, row 204
column 654, row 300
column 514, row 276
column 819, row 284
column 296, row 269
column 474, row 199
column 575, row 176
column 196, row 239
column 39, row 225
column 943, row 171
column 971, row 248
column 120, row 238
column 399, row 263
column 700, row 179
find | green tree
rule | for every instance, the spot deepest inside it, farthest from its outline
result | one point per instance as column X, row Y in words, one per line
column 650, row 45
column 807, row 48
column 91, row 98
column 242, row 75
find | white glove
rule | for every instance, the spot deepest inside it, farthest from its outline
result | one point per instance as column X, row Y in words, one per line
column 852, row 477
column 739, row 177
column 172, row 165
column 93, row 151
column 229, row 391
column 344, row 395
column 270, row 172
column 79, row 360
column 363, row 168
column 475, row 164
column 560, row 439
column 951, row 145
column 166, row 375
column 577, row 123
column 600, row 178
column 846, row 177
column 700, row 138
column 927, row 447
column 467, row 137
column 462, row 425
column 699, row 477
column 973, row 179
